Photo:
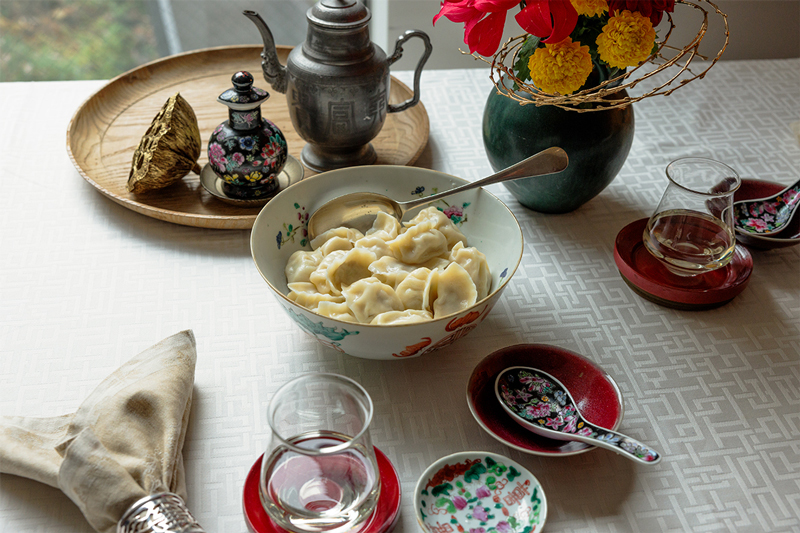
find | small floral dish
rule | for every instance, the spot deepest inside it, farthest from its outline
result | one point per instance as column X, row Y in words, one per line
column 595, row 393
column 479, row 492
column 789, row 236
column 280, row 230
column 292, row 173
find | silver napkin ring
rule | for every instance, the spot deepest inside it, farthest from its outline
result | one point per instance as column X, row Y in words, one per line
column 158, row 513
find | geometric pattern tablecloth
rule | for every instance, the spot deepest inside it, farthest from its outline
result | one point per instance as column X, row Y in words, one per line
column 86, row 284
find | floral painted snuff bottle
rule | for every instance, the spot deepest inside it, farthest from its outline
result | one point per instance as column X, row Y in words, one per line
column 247, row 151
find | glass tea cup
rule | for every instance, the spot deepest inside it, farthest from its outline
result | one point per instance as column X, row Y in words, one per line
column 691, row 231
column 319, row 472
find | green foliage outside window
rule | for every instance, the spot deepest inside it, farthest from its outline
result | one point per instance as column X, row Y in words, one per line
column 74, row 39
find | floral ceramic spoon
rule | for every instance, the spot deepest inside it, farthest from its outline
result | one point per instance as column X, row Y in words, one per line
column 767, row 216
column 539, row 402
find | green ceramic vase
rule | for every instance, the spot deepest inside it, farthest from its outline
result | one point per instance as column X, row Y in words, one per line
column 596, row 142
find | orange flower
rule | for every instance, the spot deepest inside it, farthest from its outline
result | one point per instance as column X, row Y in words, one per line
column 560, row 68
column 627, row 39
column 590, row 8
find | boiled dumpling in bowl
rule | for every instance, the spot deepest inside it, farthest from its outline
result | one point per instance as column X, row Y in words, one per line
column 418, row 244
column 307, row 295
column 418, row 289
column 393, row 274
column 385, row 226
column 369, row 297
column 409, row 316
column 301, row 264
column 391, row 271
column 474, row 262
column 432, row 218
column 455, row 291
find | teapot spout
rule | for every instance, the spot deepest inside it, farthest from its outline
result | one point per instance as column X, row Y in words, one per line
column 274, row 72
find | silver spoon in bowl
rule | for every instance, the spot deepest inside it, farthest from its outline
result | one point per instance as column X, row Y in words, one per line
column 358, row 210
column 540, row 403
column 767, row 216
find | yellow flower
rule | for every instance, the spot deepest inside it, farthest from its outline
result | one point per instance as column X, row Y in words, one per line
column 590, row 8
column 627, row 39
column 253, row 176
column 561, row 67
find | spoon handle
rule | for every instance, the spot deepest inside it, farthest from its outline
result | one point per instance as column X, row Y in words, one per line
column 547, row 161
column 622, row 444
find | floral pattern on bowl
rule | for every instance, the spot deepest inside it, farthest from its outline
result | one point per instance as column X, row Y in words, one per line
column 479, row 492
column 279, row 231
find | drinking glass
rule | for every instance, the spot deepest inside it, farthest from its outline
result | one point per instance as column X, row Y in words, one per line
column 319, row 472
column 691, row 230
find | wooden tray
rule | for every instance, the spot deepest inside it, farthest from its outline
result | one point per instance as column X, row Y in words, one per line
column 107, row 128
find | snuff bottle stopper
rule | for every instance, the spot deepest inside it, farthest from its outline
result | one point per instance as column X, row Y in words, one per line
column 246, row 151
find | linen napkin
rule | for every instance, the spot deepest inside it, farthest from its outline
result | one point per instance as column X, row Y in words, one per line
column 123, row 443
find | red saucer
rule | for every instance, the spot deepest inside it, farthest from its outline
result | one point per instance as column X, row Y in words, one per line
column 596, row 394
column 651, row 280
column 381, row 521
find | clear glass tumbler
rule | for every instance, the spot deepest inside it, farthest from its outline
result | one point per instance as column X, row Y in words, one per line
column 691, row 231
column 319, row 472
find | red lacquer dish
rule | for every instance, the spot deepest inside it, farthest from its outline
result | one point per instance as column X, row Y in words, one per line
column 381, row 521
column 595, row 393
column 651, row 280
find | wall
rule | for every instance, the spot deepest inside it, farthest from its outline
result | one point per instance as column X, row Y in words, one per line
column 759, row 29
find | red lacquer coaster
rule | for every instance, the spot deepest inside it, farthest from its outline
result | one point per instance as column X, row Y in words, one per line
column 381, row 521
column 651, row 280
column 594, row 391
column 790, row 236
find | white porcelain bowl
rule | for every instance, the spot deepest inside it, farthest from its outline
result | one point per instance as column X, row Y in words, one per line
column 279, row 231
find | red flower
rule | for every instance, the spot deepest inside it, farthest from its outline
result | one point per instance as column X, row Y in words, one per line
column 550, row 20
column 649, row 8
column 483, row 21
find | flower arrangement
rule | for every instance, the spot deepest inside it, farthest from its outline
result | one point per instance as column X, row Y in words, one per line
column 565, row 41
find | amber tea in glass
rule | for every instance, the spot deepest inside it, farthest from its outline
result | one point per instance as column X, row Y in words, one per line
column 691, row 230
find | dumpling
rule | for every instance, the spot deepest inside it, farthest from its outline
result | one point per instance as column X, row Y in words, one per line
column 335, row 243
column 367, row 298
column 409, row 316
column 346, row 233
column 338, row 311
column 385, row 225
column 320, row 277
column 437, row 262
column 390, row 271
column 307, row 295
column 301, row 264
column 418, row 244
column 433, row 218
column 455, row 291
column 418, row 289
column 375, row 244
column 346, row 268
column 474, row 262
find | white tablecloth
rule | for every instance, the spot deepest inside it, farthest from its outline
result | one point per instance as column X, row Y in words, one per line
column 85, row 284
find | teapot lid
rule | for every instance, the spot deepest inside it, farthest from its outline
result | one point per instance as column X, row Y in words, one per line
column 243, row 96
column 339, row 13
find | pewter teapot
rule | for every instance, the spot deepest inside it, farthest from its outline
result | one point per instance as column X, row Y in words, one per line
column 337, row 83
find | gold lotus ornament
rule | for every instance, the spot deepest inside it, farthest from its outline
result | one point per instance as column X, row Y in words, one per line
column 168, row 150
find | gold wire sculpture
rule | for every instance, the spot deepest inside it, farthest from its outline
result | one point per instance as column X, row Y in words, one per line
column 627, row 79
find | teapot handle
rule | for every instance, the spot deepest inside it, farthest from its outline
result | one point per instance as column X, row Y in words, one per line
column 398, row 52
